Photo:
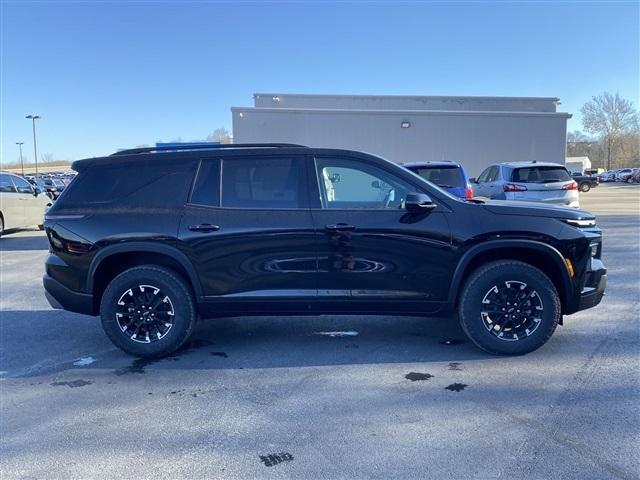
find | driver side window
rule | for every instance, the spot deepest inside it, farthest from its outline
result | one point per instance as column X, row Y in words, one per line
column 22, row 185
column 350, row 184
column 484, row 175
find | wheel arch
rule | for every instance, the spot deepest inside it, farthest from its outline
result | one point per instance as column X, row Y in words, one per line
column 115, row 259
column 538, row 254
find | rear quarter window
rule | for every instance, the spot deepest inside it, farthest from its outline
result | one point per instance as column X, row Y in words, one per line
column 148, row 183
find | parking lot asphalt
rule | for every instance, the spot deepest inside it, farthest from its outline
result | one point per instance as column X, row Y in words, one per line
column 391, row 397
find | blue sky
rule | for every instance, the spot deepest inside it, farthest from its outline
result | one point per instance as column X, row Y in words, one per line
column 108, row 75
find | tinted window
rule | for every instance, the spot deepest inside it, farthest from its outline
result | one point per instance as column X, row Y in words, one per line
column 22, row 185
column 206, row 190
column 138, row 183
column 262, row 182
column 493, row 174
column 350, row 184
column 6, row 185
column 540, row 175
column 446, row 177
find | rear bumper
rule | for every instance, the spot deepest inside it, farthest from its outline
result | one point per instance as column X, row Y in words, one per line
column 61, row 297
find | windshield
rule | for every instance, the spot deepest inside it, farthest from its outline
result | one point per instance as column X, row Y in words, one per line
column 444, row 177
column 540, row 175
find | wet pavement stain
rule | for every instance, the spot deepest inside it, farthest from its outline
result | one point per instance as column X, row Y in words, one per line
column 274, row 459
column 72, row 383
column 451, row 341
column 219, row 354
column 416, row 377
column 455, row 366
column 137, row 366
column 456, row 387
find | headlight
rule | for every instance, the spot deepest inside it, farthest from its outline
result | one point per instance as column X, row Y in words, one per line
column 595, row 249
column 581, row 223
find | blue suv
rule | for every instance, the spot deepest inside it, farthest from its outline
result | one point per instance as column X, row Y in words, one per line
column 449, row 176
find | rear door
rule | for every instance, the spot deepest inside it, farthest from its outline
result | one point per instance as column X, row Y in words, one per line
column 33, row 206
column 248, row 231
column 371, row 252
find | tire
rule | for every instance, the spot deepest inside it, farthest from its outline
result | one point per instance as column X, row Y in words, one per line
column 585, row 187
column 1, row 225
column 630, row 180
column 40, row 227
column 173, row 304
column 480, row 302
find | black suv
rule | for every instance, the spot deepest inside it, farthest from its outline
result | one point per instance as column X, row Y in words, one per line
column 151, row 239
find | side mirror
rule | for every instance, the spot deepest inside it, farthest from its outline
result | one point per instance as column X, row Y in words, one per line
column 473, row 180
column 418, row 203
column 36, row 191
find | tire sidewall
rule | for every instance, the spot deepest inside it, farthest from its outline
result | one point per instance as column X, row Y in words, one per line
column 171, row 285
column 585, row 187
column 494, row 274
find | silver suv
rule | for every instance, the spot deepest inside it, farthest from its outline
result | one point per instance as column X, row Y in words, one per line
column 549, row 183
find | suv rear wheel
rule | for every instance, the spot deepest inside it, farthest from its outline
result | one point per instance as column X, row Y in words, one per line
column 509, row 308
column 148, row 311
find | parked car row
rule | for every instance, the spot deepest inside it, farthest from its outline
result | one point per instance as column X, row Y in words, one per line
column 626, row 175
column 548, row 183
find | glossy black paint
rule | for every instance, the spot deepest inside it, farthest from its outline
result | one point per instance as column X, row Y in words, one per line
column 309, row 260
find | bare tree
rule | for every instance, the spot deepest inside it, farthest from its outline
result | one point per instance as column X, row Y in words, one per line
column 609, row 116
column 219, row 135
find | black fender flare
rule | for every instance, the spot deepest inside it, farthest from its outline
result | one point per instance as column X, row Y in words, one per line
column 145, row 247
column 553, row 253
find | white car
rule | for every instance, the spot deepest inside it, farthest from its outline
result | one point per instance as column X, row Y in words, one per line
column 21, row 204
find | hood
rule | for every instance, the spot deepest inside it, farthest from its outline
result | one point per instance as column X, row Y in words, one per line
column 533, row 209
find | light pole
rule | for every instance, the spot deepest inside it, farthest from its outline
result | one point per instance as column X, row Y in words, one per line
column 21, row 160
column 33, row 118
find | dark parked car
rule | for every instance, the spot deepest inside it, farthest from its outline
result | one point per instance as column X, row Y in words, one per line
column 449, row 176
column 585, row 182
column 151, row 239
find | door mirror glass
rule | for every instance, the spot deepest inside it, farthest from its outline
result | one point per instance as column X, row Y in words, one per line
column 473, row 180
column 418, row 202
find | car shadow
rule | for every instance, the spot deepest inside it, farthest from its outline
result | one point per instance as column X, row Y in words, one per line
column 35, row 241
column 238, row 343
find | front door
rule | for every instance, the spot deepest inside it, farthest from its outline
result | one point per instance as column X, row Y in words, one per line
column 33, row 206
column 11, row 206
column 249, row 233
column 370, row 247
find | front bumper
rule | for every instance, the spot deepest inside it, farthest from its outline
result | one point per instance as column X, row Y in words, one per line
column 594, row 286
column 61, row 297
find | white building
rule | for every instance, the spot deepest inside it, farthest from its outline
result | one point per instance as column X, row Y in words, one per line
column 475, row 131
column 578, row 164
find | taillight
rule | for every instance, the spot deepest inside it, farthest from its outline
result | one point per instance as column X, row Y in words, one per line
column 570, row 186
column 468, row 193
column 513, row 187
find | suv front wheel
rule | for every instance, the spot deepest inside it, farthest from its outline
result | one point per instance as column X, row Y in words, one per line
column 148, row 311
column 509, row 308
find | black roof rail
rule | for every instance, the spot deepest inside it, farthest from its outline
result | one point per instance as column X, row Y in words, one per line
column 214, row 146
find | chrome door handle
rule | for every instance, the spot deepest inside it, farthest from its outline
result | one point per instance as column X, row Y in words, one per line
column 340, row 227
column 204, row 228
